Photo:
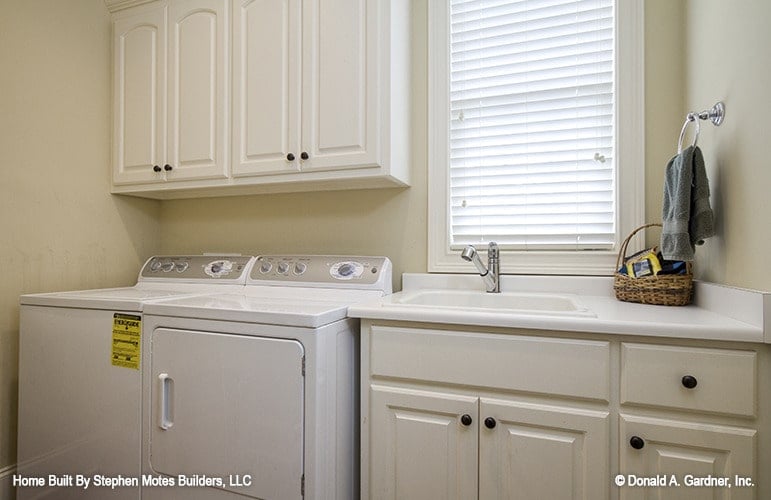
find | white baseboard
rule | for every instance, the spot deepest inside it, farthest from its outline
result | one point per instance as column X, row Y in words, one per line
column 7, row 491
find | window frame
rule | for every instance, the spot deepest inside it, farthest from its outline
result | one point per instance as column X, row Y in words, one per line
column 629, row 68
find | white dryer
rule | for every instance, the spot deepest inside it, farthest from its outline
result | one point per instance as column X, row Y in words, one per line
column 80, row 377
column 255, row 394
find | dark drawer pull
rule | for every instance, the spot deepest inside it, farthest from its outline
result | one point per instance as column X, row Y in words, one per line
column 689, row 381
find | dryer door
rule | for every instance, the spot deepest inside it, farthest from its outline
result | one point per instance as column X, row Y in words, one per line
column 228, row 406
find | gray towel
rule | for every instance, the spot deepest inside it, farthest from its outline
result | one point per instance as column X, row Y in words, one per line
column 687, row 216
column 702, row 222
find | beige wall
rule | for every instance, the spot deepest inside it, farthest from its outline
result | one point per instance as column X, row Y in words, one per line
column 727, row 58
column 664, row 108
column 61, row 229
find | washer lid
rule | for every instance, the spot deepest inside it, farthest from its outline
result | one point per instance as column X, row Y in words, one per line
column 131, row 298
column 161, row 277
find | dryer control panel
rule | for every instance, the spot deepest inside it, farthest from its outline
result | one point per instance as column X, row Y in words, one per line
column 205, row 268
column 331, row 271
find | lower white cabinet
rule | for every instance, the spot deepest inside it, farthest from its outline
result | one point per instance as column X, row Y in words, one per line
column 457, row 446
column 682, row 453
column 529, row 450
column 422, row 448
column 506, row 414
column 712, row 437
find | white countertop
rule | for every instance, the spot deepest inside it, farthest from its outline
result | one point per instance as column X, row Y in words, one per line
column 718, row 312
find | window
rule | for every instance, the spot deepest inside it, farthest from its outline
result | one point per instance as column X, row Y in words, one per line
column 526, row 145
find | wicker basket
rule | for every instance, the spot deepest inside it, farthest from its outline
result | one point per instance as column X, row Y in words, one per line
column 665, row 290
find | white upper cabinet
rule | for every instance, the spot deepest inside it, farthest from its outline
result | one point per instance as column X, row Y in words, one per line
column 320, row 96
column 198, row 89
column 266, row 86
column 170, row 92
column 341, row 91
column 139, row 97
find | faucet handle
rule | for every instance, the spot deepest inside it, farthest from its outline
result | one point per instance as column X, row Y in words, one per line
column 492, row 250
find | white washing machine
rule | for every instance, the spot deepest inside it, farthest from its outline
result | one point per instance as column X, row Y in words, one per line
column 80, row 376
column 255, row 394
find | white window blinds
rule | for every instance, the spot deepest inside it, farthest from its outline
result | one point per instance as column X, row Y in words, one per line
column 531, row 124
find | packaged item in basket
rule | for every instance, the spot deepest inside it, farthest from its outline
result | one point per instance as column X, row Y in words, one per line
column 644, row 263
column 673, row 266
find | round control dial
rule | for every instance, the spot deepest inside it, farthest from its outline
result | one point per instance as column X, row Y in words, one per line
column 167, row 267
column 155, row 265
column 346, row 270
column 265, row 267
column 300, row 268
column 283, row 268
column 218, row 268
column 181, row 267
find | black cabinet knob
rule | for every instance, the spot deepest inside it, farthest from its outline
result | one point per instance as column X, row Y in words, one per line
column 304, row 156
column 637, row 442
column 167, row 167
column 490, row 423
column 290, row 157
column 466, row 420
column 689, row 381
column 156, row 168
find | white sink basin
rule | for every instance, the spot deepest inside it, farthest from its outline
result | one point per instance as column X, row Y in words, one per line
column 511, row 303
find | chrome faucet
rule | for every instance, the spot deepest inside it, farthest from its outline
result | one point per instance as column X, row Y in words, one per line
column 490, row 274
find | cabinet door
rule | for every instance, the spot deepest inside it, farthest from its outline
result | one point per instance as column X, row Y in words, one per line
column 266, row 86
column 227, row 404
column 676, row 449
column 538, row 451
column 419, row 447
column 198, row 89
column 341, row 89
column 139, row 90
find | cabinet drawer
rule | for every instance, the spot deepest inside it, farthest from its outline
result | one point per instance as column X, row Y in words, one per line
column 721, row 380
column 565, row 367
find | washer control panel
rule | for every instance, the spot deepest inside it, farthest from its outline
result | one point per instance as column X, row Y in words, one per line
column 195, row 267
column 321, row 270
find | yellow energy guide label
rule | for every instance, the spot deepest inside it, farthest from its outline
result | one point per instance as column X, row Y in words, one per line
column 126, row 337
